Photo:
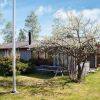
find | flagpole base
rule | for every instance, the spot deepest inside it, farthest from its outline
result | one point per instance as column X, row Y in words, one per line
column 14, row 92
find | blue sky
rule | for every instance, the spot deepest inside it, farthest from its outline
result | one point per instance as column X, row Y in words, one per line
column 47, row 10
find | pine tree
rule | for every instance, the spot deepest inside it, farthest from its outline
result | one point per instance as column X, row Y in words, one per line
column 32, row 25
column 22, row 36
column 7, row 32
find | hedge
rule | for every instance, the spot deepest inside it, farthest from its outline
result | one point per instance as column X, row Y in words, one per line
column 6, row 66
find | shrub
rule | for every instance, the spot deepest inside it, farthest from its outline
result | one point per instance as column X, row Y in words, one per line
column 39, row 61
column 30, row 69
column 6, row 66
column 21, row 67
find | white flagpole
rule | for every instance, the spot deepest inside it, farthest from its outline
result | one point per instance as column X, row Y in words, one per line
column 14, row 47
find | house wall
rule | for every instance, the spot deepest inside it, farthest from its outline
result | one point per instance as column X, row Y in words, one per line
column 25, row 54
column 21, row 53
column 2, row 53
column 98, row 59
column 5, row 53
column 64, row 60
column 93, row 61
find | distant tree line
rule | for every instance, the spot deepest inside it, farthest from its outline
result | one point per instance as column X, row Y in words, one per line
column 31, row 24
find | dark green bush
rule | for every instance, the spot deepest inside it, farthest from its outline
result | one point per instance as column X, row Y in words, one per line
column 30, row 69
column 22, row 67
column 6, row 66
column 39, row 62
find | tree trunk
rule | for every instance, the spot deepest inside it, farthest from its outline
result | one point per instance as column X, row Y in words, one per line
column 45, row 55
column 79, row 75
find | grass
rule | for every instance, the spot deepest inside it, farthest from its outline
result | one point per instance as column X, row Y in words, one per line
column 42, row 86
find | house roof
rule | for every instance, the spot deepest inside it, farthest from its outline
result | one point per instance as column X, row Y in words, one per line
column 10, row 45
column 37, row 43
column 23, row 45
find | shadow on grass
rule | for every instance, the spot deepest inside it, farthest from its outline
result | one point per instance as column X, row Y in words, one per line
column 38, row 86
column 46, row 87
column 41, row 75
column 5, row 83
column 5, row 92
column 49, row 87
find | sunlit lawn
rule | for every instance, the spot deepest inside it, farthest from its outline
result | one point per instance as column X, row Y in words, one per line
column 45, row 87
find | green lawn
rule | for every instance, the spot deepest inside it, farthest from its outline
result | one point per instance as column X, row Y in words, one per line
column 38, row 87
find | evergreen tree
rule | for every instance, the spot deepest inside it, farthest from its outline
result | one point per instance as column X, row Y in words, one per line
column 32, row 25
column 7, row 32
column 22, row 36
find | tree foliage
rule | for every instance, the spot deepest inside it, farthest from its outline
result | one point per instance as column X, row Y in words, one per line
column 22, row 36
column 1, row 19
column 7, row 32
column 59, row 28
column 32, row 25
column 76, row 39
